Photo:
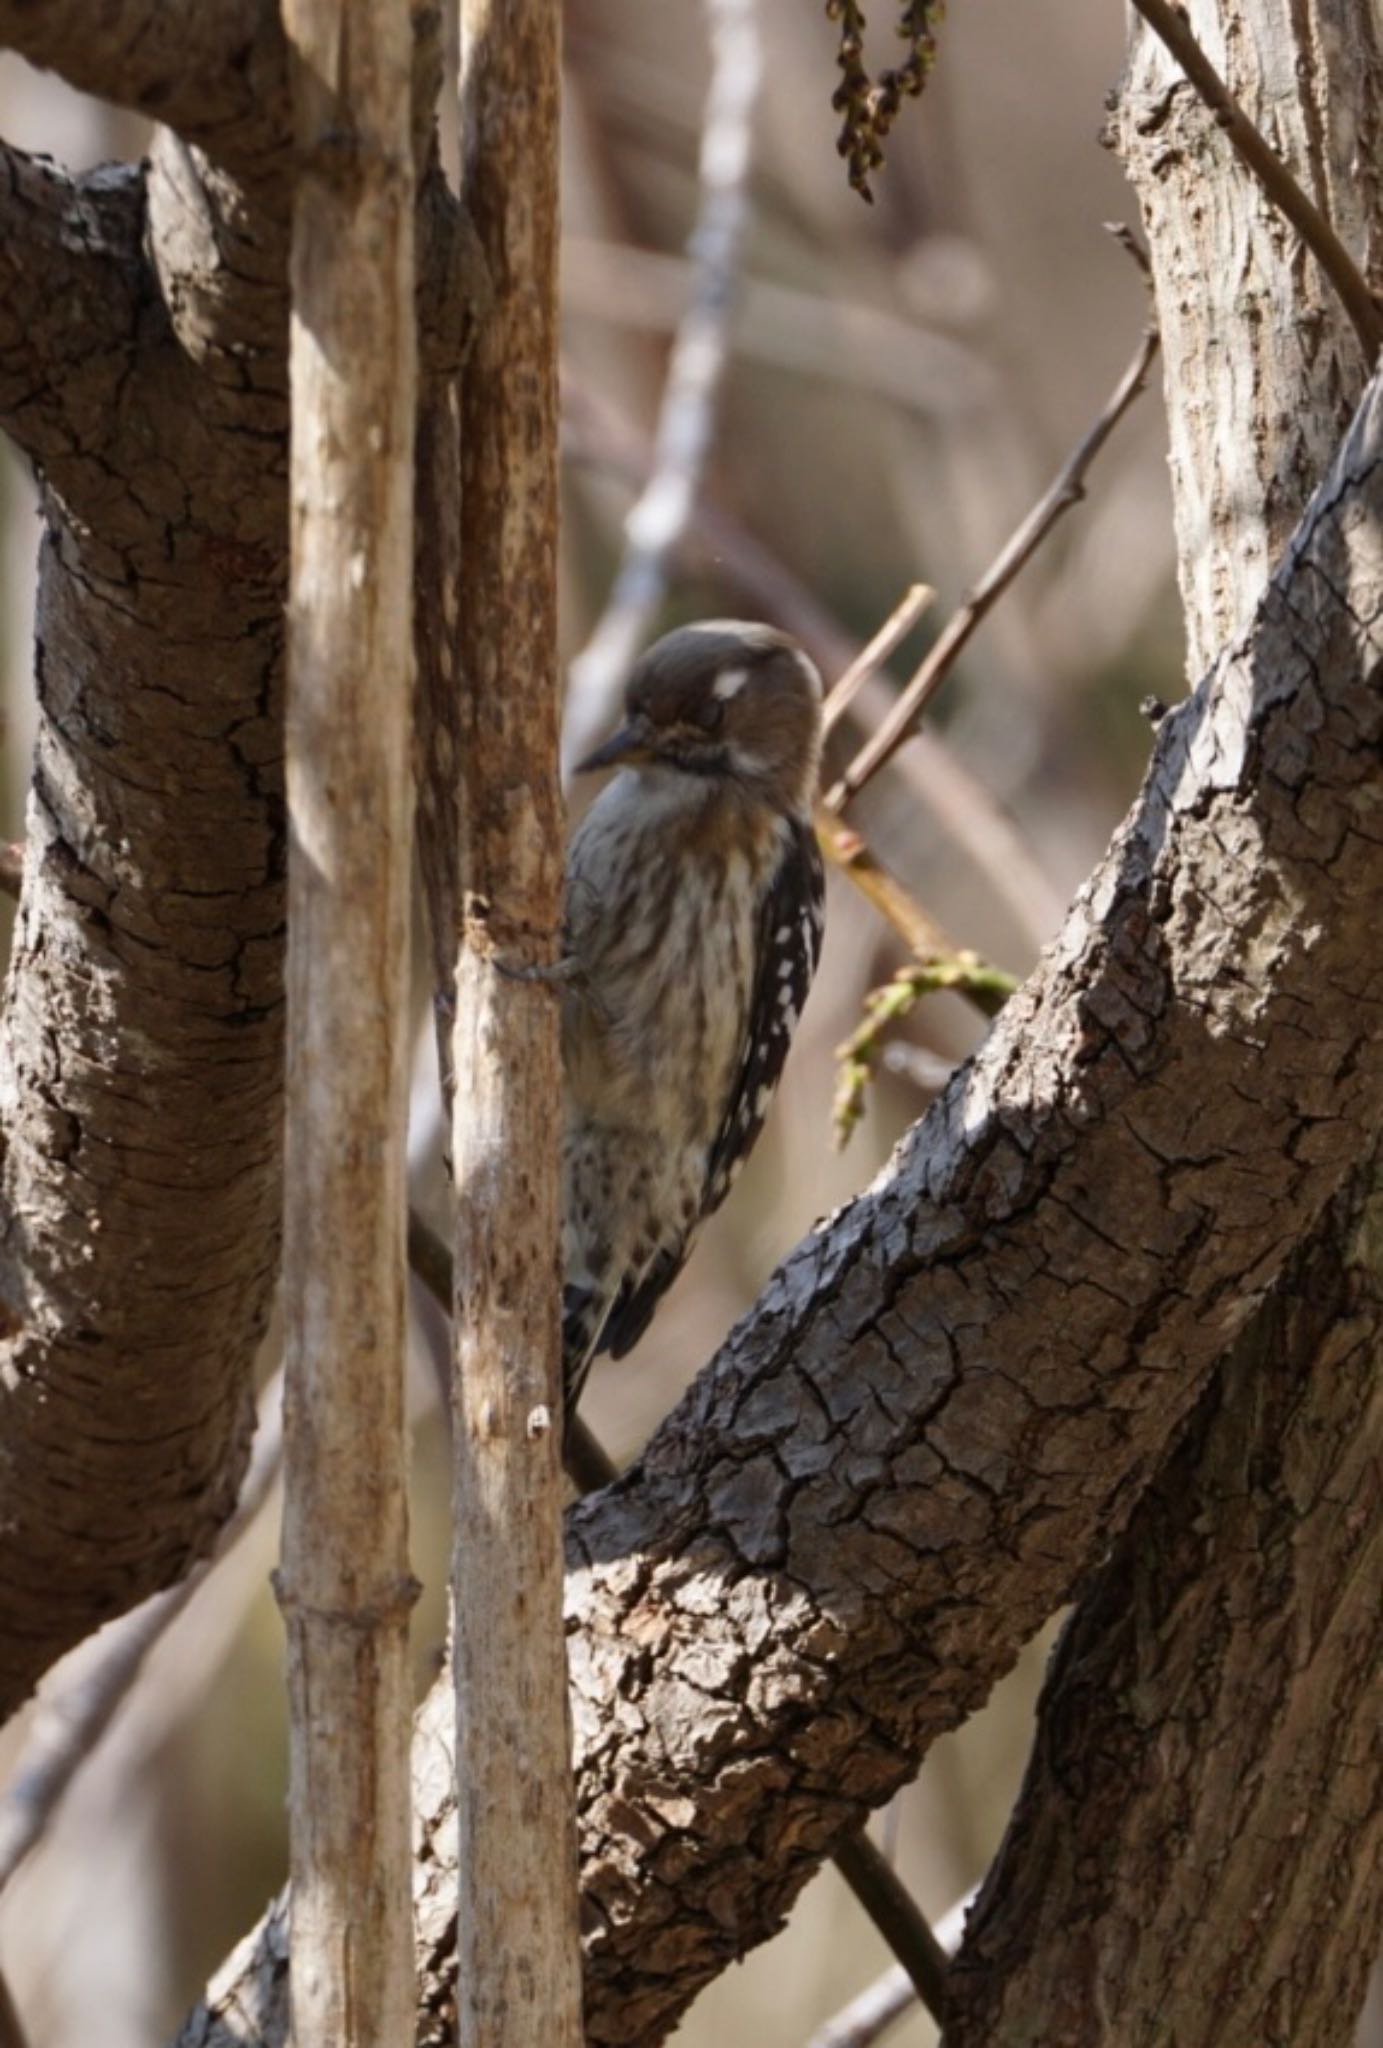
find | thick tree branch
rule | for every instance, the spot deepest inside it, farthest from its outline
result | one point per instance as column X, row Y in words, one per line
column 72, row 283
column 140, row 1044
column 952, row 1394
column 1205, row 1790
column 217, row 73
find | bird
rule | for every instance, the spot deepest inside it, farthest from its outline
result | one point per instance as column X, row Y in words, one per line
column 693, row 915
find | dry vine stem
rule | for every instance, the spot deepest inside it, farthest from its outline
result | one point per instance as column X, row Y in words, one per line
column 520, row 1978
column 344, row 1584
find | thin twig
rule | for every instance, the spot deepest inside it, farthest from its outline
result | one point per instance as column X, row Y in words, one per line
column 1066, row 489
column 686, row 420
column 870, row 659
column 987, row 987
column 1258, row 155
column 872, row 2011
column 879, row 1890
column 895, row 1913
column 71, row 1722
column 848, row 851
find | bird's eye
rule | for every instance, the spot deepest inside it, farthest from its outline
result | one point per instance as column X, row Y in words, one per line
column 710, row 714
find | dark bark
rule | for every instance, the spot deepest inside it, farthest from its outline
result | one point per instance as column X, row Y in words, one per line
column 142, row 364
column 140, row 1044
column 948, row 1400
column 218, row 73
column 1207, row 1787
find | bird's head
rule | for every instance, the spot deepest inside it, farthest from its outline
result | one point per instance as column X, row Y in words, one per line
column 725, row 699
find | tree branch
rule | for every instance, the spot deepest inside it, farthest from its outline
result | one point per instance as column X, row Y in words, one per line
column 519, row 1979
column 72, row 283
column 140, row 1046
column 1257, row 155
column 218, row 74
column 1204, row 1788
column 954, row 1391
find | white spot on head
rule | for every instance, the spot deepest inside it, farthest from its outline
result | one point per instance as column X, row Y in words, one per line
column 729, row 683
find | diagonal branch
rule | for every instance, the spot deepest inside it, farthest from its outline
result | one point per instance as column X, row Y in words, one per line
column 952, row 1394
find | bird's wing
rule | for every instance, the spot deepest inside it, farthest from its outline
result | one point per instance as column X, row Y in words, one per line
column 788, row 946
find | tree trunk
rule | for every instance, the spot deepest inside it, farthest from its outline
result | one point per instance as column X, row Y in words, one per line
column 1201, row 1812
column 141, row 1046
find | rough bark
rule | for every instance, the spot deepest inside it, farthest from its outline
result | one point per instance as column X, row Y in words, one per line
column 1260, row 362
column 344, row 1585
column 143, row 332
column 520, row 1972
column 1195, row 1855
column 218, row 74
column 140, row 1041
column 949, row 1398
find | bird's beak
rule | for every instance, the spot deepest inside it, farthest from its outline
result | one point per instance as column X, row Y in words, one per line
column 630, row 742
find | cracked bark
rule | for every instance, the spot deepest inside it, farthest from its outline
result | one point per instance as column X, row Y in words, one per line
column 141, row 1043
column 143, row 333
column 1194, row 1855
column 950, row 1396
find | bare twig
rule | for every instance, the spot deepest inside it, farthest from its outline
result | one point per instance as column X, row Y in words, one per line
column 1066, row 489
column 965, row 974
column 1258, row 155
column 686, row 420
column 344, row 1584
column 847, row 850
column 871, row 658
column 70, row 1723
column 873, row 2011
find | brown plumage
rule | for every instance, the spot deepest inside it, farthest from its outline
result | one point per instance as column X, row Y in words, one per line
column 693, row 926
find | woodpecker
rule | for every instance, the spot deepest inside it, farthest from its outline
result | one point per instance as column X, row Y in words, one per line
column 693, row 923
